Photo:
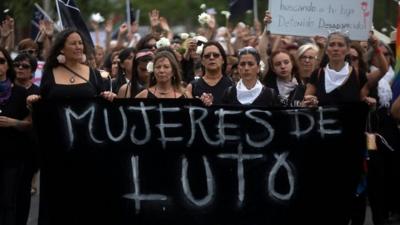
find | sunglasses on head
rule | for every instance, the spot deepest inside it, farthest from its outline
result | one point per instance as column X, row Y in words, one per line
column 247, row 50
column 213, row 54
column 3, row 61
column 23, row 65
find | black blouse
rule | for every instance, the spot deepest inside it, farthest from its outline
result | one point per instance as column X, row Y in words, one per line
column 349, row 91
column 49, row 89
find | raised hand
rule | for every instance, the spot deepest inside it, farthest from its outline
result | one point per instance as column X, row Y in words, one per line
column 154, row 17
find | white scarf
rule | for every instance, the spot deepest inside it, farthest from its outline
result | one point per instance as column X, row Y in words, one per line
column 285, row 87
column 385, row 93
column 334, row 79
column 247, row 96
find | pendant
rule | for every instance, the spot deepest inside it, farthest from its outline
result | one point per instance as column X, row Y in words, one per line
column 72, row 80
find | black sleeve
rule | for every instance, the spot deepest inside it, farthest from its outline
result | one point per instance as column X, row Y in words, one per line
column 315, row 77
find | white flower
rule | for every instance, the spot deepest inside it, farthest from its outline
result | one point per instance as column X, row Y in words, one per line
column 203, row 6
column 184, row 36
column 227, row 14
column 163, row 42
column 199, row 49
column 96, row 17
column 262, row 66
column 150, row 67
column 204, row 18
column 192, row 34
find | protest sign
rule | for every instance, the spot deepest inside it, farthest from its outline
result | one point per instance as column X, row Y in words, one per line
column 178, row 162
column 319, row 17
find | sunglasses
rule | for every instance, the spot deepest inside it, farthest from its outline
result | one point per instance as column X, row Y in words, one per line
column 30, row 51
column 308, row 58
column 3, row 61
column 23, row 65
column 213, row 54
column 247, row 50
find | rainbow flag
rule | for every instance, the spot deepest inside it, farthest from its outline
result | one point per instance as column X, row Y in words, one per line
column 396, row 80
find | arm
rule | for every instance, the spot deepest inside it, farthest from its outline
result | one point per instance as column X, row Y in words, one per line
column 108, row 29
column 375, row 76
column 21, row 125
column 264, row 41
column 310, row 100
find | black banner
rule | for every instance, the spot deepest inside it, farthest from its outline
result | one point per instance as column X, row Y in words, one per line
column 178, row 162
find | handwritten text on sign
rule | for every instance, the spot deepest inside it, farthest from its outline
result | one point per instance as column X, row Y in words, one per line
column 178, row 162
column 319, row 17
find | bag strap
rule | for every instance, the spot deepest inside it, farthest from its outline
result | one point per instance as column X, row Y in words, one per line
column 75, row 73
column 80, row 76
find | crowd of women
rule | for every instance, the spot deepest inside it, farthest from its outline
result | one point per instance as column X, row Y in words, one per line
column 240, row 66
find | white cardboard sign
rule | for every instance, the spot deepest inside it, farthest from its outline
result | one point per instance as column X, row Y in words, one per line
column 319, row 17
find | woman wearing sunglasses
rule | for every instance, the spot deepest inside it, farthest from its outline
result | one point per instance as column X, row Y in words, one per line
column 249, row 90
column 211, row 86
column 14, row 121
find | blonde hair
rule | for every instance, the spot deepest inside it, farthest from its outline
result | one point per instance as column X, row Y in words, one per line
column 302, row 49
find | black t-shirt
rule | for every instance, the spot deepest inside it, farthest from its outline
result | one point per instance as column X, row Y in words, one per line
column 349, row 91
column 199, row 86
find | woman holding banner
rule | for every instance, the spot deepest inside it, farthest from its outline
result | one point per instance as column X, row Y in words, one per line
column 65, row 75
column 14, row 121
column 336, row 81
column 165, row 78
column 249, row 90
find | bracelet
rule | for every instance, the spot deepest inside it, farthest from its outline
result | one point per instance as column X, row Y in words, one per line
column 17, row 123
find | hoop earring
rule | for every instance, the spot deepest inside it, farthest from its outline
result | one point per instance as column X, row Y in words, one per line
column 61, row 59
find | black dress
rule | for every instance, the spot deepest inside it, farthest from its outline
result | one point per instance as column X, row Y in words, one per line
column 49, row 89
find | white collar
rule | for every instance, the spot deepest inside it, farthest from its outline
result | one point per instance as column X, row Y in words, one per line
column 334, row 79
column 247, row 96
column 286, row 87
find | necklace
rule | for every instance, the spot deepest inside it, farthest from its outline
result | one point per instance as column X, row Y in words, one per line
column 163, row 93
column 72, row 79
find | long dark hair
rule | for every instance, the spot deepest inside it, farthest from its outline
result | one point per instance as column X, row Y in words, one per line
column 123, row 55
column 221, row 50
column 58, row 45
column 10, row 73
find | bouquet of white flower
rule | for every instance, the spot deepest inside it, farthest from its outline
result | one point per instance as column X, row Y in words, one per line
column 204, row 18
column 163, row 42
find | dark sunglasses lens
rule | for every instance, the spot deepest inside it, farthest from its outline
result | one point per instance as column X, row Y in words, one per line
column 24, row 66
column 3, row 61
column 215, row 55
